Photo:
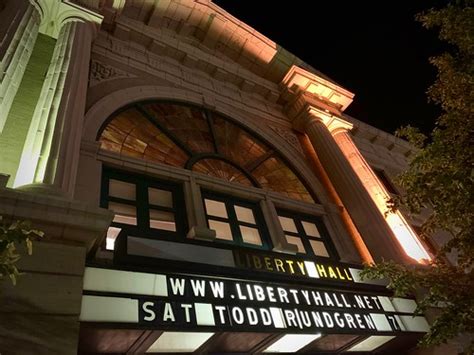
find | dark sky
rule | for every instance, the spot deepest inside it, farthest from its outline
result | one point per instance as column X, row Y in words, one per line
column 376, row 50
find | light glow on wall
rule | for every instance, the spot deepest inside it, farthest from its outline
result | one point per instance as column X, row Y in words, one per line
column 379, row 194
column 112, row 234
column 407, row 237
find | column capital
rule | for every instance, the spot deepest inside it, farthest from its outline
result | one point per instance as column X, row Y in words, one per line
column 309, row 96
column 55, row 13
column 302, row 112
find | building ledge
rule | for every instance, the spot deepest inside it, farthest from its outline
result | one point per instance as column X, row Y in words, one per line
column 65, row 220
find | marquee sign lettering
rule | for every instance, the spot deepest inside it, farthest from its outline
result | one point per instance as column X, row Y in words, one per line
column 238, row 304
column 189, row 302
column 293, row 266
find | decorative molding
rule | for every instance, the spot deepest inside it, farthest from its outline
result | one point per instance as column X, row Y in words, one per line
column 55, row 13
column 333, row 123
column 288, row 136
column 318, row 87
column 101, row 72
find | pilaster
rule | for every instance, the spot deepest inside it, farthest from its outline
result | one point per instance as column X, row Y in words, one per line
column 318, row 115
column 379, row 194
column 50, row 154
column 15, row 52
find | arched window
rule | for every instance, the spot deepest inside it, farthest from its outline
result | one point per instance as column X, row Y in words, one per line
column 202, row 141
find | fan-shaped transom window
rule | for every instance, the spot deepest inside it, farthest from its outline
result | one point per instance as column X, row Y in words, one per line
column 202, row 141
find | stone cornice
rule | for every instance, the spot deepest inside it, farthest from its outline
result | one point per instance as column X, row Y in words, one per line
column 182, row 73
column 379, row 137
column 330, row 94
column 62, row 219
column 203, row 25
column 298, row 97
column 162, row 42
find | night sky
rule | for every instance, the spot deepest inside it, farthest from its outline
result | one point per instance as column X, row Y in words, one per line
column 377, row 51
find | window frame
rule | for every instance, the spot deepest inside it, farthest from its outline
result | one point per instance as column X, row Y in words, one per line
column 237, row 239
column 326, row 239
column 386, row 181
column 143, row 206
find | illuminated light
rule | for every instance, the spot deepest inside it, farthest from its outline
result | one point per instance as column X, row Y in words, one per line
column 407, row 237
column 108, row 309
column 112, row 234
column 386, row 304
column 311, row 268
column 291, row 342
column 277, row 317
column 371, row 343
column 381, row 322
column 415, row 324
column 204, row 314
column 404, row 305
column 106, row 280
column 25, row 172
column 176, row 342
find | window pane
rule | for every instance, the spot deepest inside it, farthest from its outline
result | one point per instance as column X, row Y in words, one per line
column 288, row 224
column 162, row 220
column 296, row 241
column 244, row 214
column 112, row 234
column 311, row 229
column 318, row 248
column 124, row 213
column 160, row 197
column 215, row 208
column 250, row 235
column 122, row 189
column 222, row 229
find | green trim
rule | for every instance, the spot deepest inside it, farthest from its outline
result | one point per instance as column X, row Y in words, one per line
column 143, row 206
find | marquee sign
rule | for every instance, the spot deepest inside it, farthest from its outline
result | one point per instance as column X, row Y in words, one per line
column 174, row 301
column 315, row 269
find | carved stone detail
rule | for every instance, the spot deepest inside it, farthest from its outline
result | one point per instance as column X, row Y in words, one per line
column 288, row 136
column 100, row 72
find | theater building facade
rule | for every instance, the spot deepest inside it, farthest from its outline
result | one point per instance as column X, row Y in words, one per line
column 200, row 188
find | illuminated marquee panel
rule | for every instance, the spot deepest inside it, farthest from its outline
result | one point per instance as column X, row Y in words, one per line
column 175, row 301
column 138, row 249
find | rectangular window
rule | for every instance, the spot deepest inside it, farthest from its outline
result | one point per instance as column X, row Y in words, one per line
column 235, row 220
column 142, row 205
column 307, row 233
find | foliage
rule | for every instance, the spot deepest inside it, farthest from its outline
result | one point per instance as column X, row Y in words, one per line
column 10, row 236
column 440, row 180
